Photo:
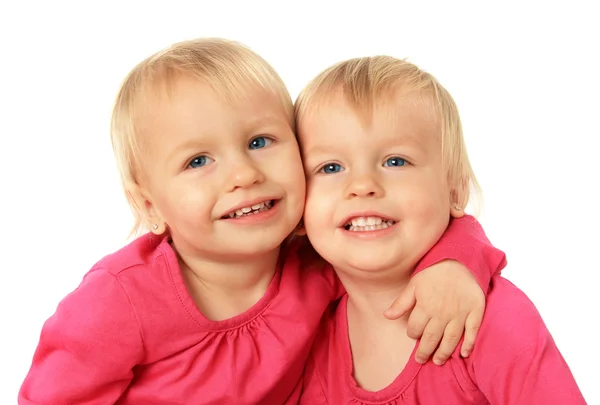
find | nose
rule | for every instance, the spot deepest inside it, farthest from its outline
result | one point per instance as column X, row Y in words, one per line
column 364, row 185
column 244, row 174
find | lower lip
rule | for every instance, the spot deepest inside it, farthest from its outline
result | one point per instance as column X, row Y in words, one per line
column 379, row 233
column 255, row 218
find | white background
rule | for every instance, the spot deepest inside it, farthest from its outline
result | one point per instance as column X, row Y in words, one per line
column 525, row 77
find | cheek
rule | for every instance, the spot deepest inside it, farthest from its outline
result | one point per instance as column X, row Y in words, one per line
column 425, row 198
column 188, row 206
column 320, row 203
column 287, row 169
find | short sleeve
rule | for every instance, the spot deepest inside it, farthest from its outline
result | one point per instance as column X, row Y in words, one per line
column 515, row 360
column 88, row 348
column 465, row 241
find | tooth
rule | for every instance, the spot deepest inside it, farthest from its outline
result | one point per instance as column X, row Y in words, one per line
column 257, row 206
column 239, row 212
column 246, row 210
column 231, row 214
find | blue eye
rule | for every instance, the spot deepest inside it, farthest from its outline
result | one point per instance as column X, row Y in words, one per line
column 199, row 161
column 259, row 142
column 395, row 162
column 330, row 168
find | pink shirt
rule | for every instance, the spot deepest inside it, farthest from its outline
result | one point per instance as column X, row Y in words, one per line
column 515, row 361
column 132, row 334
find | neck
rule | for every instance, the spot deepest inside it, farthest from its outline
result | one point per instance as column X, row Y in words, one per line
column 223, row 289
column 380, row 347
column 369, row 295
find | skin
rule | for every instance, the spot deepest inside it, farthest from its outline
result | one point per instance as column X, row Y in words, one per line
column 205, row 157
column 392, row 167
column 389, row 168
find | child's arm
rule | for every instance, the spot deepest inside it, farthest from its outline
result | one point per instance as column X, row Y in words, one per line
column 448, row 293
column 87, row 349
column 516, row 360
column 466, row 242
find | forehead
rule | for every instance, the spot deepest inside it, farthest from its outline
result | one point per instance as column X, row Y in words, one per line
column 400, row 117
column 188, row 106
column 185, row 92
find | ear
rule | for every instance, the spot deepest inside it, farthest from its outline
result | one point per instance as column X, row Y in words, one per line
column 300, row 230
column 143, row 203
column 456, row 206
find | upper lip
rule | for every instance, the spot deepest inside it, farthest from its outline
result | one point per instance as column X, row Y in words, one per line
column 248, row 203
column 365, row 214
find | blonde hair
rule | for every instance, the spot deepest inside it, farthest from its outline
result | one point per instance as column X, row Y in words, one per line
column 231, row 69
column 370, row 80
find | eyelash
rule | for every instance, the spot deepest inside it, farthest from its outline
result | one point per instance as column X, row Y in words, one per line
column 268, row 142
column 189, row 165
column 323, row 167
column 404, row 161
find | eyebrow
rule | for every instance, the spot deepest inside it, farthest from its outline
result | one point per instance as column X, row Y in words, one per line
column 255, row 124
column 321, row 149
column 267, row 121
column 190, row 144
column 405, row 139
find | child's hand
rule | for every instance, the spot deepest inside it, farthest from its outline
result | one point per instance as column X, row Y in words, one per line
column 448, row 301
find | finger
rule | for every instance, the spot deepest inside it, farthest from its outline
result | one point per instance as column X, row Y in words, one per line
column 429, row 341
column 472, row 326
column 416, row 323
column 404, row 303
column 452, row 335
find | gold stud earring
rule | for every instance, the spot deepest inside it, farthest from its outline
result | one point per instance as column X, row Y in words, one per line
column 154, row 227
column 457, row 207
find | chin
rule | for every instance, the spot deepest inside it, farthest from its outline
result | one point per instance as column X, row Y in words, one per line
column 259, row 247
column 248, row 252
column 362, row 265
column 373, row 263
column 368, row 266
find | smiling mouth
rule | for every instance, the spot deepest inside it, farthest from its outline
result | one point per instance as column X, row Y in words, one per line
column 368, row 224
column 252, row 210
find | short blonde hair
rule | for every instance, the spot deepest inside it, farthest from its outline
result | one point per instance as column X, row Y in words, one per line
column 231, row 69
column 367, row 81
